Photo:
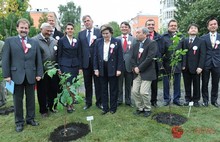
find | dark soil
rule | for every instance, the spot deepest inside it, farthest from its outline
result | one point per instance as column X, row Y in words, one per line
column 6, row 110
column 73, row 132
column 169, row 118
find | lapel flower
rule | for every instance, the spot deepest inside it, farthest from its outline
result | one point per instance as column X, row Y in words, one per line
column 140, row 52
column 57, row 37
column 28, row 45
column 194, row 49
column 93, row 39
column 129, row 44
column 55, row 48
column 112, row 46
column 74, row 42
column 217, row 42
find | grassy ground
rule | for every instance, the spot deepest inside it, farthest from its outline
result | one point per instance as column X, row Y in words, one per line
column 202, row 126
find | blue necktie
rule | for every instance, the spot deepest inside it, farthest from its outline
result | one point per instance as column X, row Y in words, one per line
column 88, row 36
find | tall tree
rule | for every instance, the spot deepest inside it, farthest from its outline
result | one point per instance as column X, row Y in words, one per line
column 69, row 13
column 116, row 28
column 199, row 12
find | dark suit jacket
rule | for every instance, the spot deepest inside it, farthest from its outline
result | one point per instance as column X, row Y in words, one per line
column 145, row 63
column 212, row 54
column 57, row 33
column 68, row 55
column 127, row 53
column 86, row 51
column 166, row 54
column 16, row 64
column 115, row 59
column 193, row 61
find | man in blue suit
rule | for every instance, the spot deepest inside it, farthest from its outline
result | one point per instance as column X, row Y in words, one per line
column 212, row 63
column 86, row 40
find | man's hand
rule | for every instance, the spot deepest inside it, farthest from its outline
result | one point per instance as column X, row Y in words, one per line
column 198, row 70
column 136, row 70
column 8, row 79
column 118, row 73
column 38, row 78
column 96, row 72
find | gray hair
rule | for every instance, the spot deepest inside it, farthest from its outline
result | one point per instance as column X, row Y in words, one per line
column 145, row 30
column 44, row 25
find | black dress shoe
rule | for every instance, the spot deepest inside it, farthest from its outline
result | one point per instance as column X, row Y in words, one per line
column 19, row 127
column 196, row 104
column 138, row 112
column 99, row 106
column 166, row 103
column 130, row 105
column 205, row 104
column 177, row 103
column 215, row 104
column 87, row 107
column 119, row 104
column 154, row 104
column 112, row 112
column 186, row 104
column 32, row 123
column 147, row 113
column 104, row 112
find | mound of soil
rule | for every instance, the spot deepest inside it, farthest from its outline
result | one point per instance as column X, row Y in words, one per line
column 170, row 119
column 6, row 110
column 73, row 132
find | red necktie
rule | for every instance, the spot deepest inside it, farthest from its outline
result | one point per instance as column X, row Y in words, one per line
column 151, row 36
column 24, row 45
column 125, row 43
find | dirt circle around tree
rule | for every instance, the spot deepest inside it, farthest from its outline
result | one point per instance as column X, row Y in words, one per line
column 170, row 119
column 73, row 131
column 6, row 110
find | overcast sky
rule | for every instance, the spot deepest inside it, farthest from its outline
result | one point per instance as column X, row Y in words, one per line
column 104, row 11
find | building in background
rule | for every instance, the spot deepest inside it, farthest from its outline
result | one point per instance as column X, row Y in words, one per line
column 167, row 9
column 37, row 13
column 139, row 21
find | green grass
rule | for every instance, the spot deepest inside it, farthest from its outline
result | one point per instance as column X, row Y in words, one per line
column 202, row 126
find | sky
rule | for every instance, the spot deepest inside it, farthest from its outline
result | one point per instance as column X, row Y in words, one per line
column 104, row 11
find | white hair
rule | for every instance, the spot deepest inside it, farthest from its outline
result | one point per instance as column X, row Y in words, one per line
column 44, row 25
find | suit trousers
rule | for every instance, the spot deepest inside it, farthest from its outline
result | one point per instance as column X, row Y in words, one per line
column 47, row 89
column 88, row 75
column 215, row 73
column 140, row 92
column 188, row 79
column 125, row 81
column 176, row 87
column 18, row 102
column 113, row 88
column 154, row 86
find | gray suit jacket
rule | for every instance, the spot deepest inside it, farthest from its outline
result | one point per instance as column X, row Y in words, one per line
column 16, row 64
column 127, row 54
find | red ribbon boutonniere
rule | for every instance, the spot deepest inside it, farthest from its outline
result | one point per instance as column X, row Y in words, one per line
column 217, row 43
column 194, row 49
column 74, row 42
column 112, row 46
column 140, row 52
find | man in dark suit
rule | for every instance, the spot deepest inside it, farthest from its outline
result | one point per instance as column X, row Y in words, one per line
column 47, row 88
column 127, row 74
column 192, row 64
column 55, row 33
column 86, row 40
column 212, row 63
column 21, row 63
column 166, row 57
column 108, row 62
column 143, row 65
column 150, row 24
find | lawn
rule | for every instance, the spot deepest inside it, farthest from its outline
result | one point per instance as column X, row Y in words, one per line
column 202, row 126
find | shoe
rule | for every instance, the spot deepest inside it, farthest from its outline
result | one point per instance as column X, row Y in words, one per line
column 166, row 103
column 205, row 104
column 87, row 107
column 138, row 112
column 178, row 103
column 119, row 104
column 147, row 113
column 196, row 104
column 44, row 115
column 154, row 104
column 104, row 112
column 99, row 106
column 19, row 127
column 215, row 104
column 186, row 104
column 112, row 112
column 32, row 123
column 130, row 105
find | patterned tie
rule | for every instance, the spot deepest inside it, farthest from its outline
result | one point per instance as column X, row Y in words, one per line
column 88, row 37
column 190, row 42
column 24, row 45
column 125, row 43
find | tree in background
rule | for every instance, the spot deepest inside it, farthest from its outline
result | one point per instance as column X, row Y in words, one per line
column 116, row 28
column 42, row 19
column 10, row 12
column 196, row 11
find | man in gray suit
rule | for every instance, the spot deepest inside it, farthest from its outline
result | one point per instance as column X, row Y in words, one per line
column 143, row 65
column 127, row 74
column 21, row 63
